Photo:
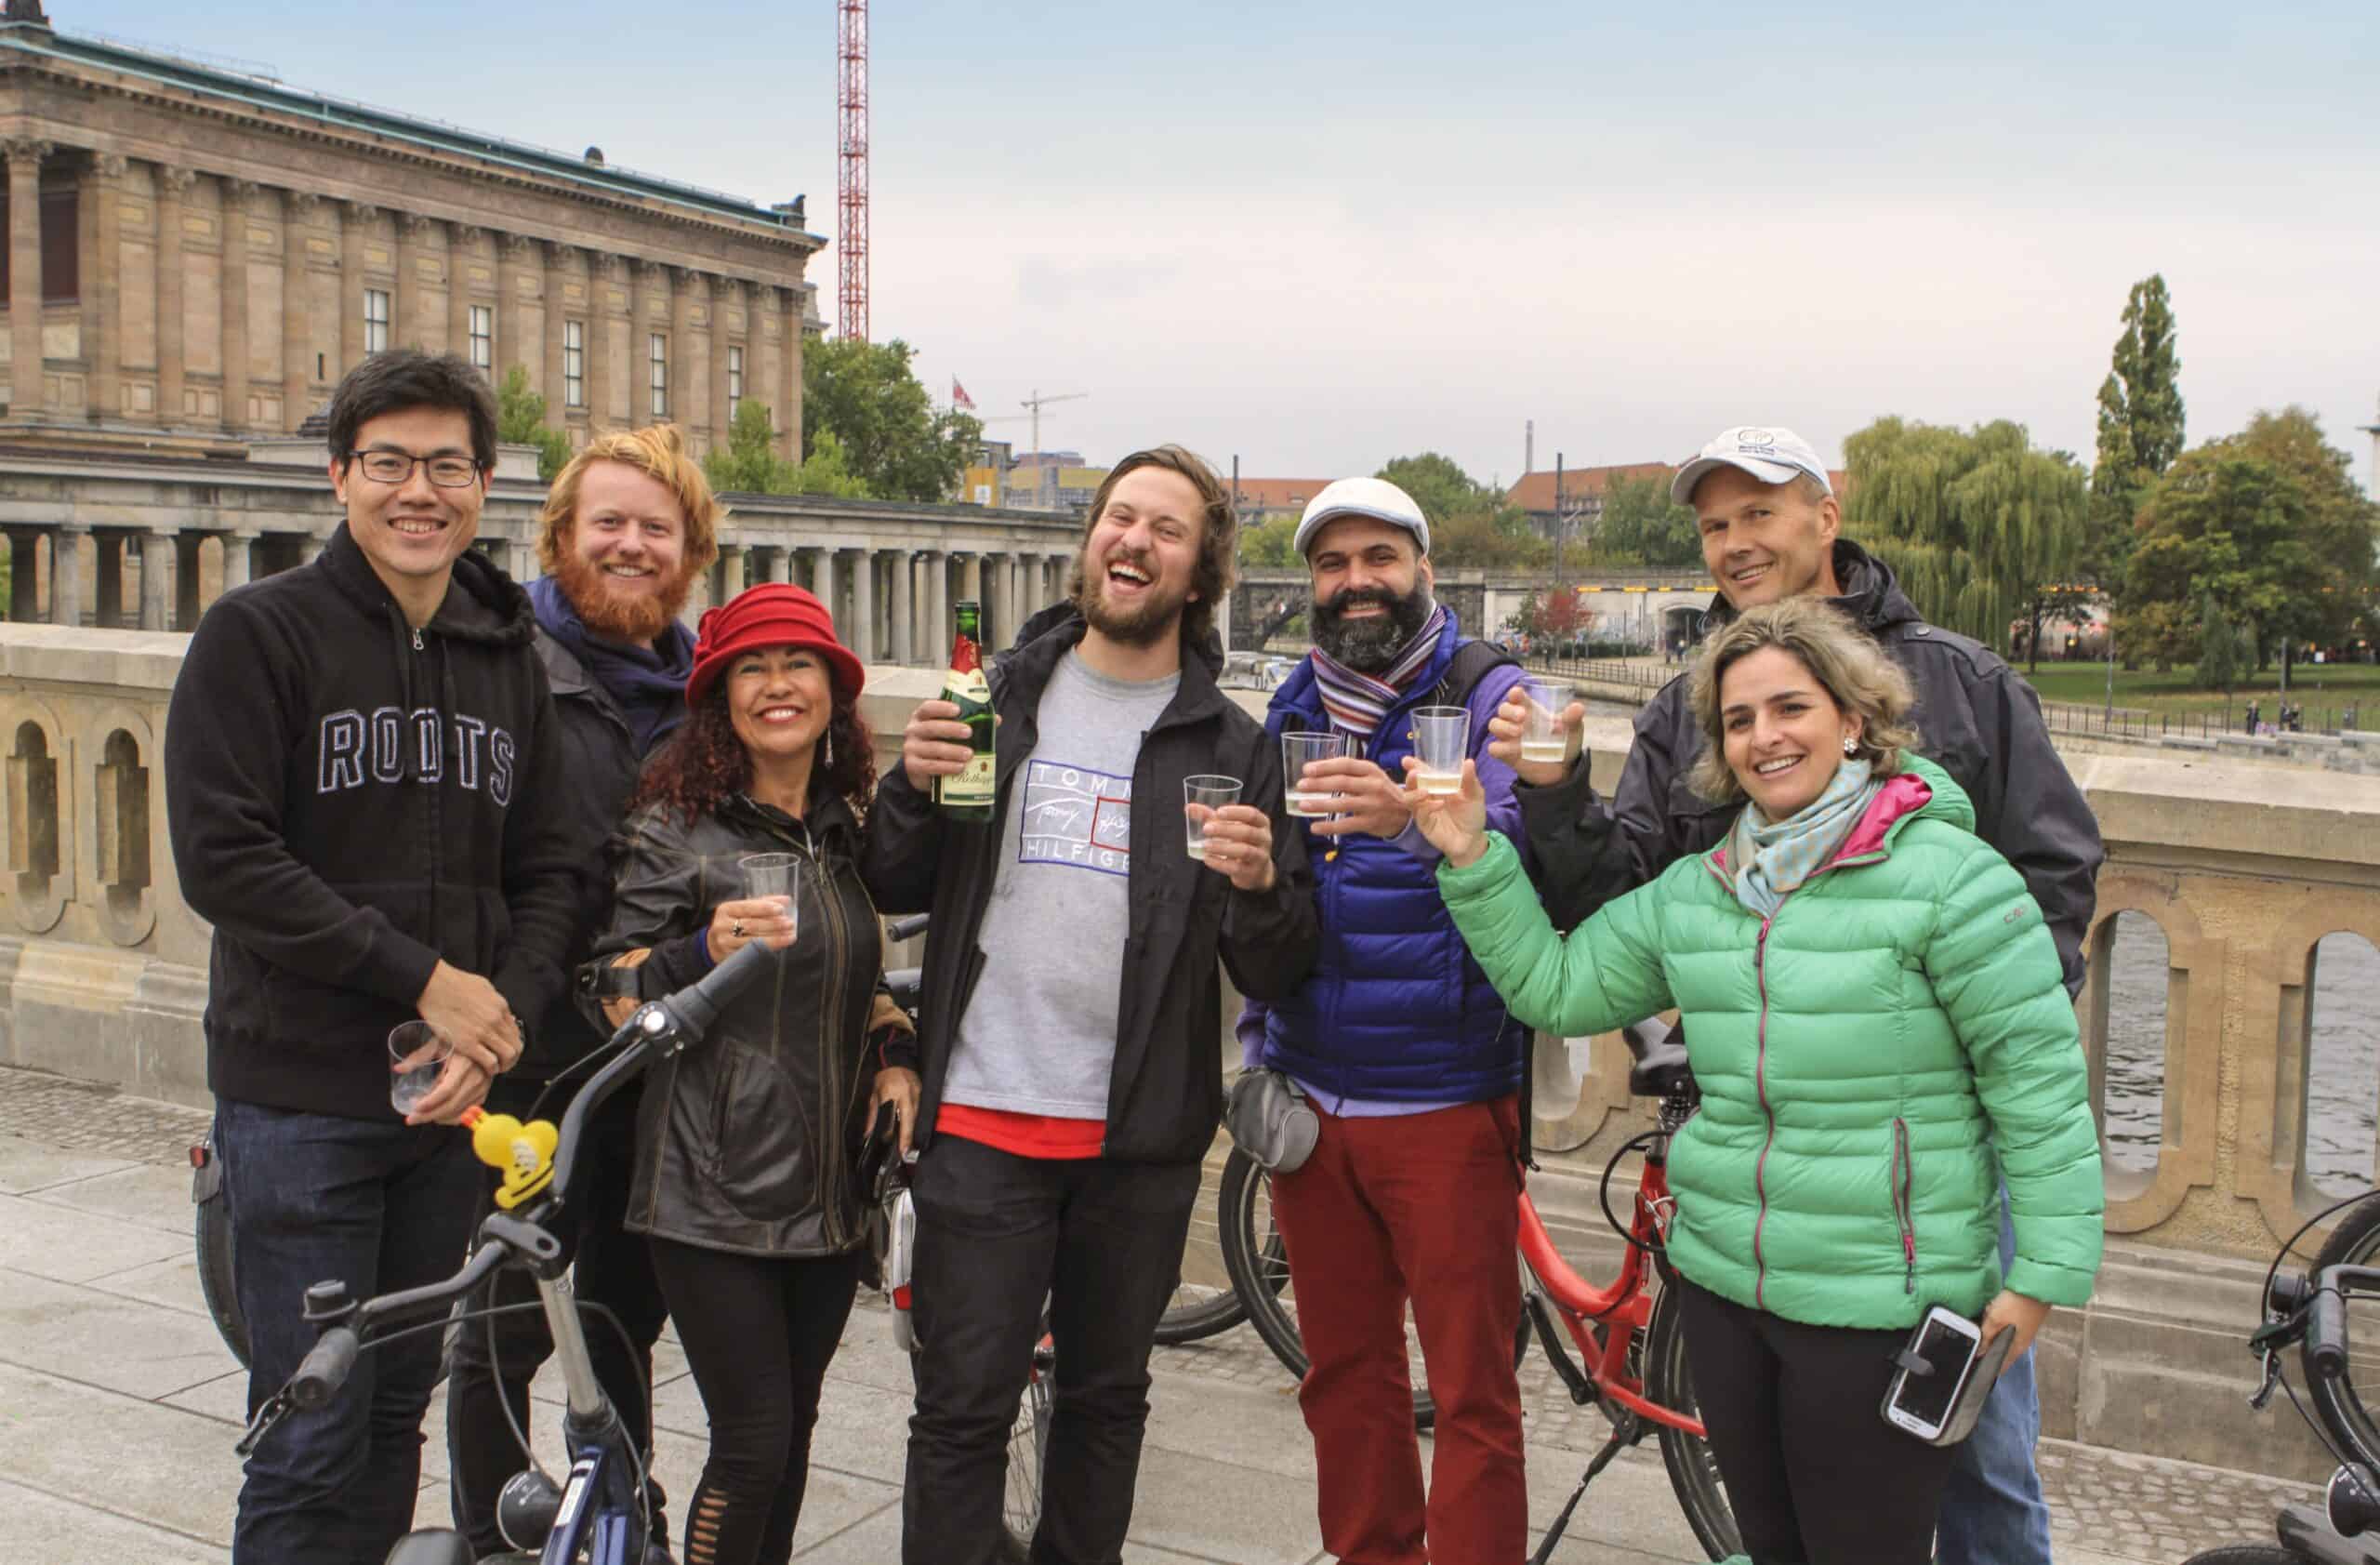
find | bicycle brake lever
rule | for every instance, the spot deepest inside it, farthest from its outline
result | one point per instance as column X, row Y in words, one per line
column 2270, row 1383
column 275, row 1409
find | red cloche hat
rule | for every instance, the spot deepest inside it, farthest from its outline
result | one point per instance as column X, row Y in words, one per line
column 775, row 613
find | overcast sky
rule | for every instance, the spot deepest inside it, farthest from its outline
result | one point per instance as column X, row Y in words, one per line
column 1318, row 236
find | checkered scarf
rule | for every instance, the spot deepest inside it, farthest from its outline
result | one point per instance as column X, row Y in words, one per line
column 1357, row 702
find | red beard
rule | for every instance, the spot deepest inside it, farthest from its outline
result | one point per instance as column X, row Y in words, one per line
column 608, row 612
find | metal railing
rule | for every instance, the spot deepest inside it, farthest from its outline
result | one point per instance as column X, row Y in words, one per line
column 2132, row 723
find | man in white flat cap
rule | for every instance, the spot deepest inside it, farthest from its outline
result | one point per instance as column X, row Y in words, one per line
column 1413, row 1069
column 1771, row 529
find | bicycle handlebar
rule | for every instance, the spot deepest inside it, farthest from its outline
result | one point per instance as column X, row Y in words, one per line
column 326, row 1368
column 908, row 928
column 2326, row 1325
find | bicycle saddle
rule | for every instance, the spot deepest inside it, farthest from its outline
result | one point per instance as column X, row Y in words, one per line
column 1660, row 1068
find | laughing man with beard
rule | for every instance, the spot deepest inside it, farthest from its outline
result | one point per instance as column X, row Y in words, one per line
column 626, row 526
column 1412, row 1066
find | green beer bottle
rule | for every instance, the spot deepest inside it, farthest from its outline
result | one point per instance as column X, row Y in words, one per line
column 969, row 795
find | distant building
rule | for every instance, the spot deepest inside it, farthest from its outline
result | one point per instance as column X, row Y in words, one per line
column 1583, row 490
column 1059, row 481
column 1261, row 500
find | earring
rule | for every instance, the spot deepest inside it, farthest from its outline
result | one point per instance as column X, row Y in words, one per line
column 830, row 750
column 1850, row 745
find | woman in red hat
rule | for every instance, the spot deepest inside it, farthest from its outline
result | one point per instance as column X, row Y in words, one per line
column 746, row 1183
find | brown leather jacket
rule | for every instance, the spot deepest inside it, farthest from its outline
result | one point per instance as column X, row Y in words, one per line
column 747, row 1140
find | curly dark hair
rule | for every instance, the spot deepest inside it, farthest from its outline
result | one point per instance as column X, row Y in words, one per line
column 704, row 763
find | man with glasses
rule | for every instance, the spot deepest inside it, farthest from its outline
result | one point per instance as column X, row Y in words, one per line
column 362, row 772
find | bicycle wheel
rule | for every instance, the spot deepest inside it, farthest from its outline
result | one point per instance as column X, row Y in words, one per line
column 1260, row 1276
column 2355, row 1242
column 2244, row 1554
column 1694, row 1472
column 1204, row 1301
column 211, row 1236
column 1028, row 1443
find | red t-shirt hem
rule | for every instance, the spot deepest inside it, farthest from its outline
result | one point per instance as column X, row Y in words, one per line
column 1024, row 1136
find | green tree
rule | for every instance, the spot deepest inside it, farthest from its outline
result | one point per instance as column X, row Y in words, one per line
column 2266, row 525
column 748, row 464
column 2140, row 428
column 1976, row 523
column 1641, row 525
column 2218, row 649
column 520, row 421
column 1471, row 527
column 895, row 440
column 1269, row 544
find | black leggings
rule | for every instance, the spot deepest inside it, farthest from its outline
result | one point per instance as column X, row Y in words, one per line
column 1815, row 1475
column 758, row 1334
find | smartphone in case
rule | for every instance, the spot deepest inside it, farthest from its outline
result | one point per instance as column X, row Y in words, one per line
column 1934, row 1384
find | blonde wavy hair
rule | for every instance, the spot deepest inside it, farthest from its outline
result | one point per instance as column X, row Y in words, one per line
column 1856, row 673
column 659, row 452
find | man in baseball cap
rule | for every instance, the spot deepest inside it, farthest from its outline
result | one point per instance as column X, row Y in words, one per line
column 1410, row 1063
column 1770, row 528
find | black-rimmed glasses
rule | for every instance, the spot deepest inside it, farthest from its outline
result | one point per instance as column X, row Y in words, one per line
column 396, row 466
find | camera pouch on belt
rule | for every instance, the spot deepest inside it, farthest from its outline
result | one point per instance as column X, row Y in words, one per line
column 1269, row 1120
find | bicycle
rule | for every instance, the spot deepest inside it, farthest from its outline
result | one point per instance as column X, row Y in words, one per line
column 2309, row 1312
column 1632, row 1361
column 599, row 1516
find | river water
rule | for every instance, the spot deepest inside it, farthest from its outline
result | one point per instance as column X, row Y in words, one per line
column 2343, row 1076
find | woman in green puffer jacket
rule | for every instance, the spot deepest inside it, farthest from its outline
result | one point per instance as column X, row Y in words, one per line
column 1874, row 1012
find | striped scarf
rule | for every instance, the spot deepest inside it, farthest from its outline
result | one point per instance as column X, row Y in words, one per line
column 1769, row 858
column 1356, row 701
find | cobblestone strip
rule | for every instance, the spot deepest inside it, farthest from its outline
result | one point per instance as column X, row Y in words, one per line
column 81, row 1117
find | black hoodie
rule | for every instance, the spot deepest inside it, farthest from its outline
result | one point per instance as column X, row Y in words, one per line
column 352, row 800
column 1975, row 717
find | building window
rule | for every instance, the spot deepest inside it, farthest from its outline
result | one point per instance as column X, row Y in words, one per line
column 62, row 246
column 484, row 338
column 573, row 364
column 735, row 380
column 375, row 320
column 659, row 347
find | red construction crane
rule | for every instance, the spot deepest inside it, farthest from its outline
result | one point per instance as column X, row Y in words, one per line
column 851, row 292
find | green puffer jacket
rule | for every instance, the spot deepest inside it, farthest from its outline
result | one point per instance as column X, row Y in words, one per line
column 1862, row 1056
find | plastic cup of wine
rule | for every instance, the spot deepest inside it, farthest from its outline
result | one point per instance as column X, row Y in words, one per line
column 1202, row 797
column 1543, row 739
column 1297, row 752
column 770, row 877
column 417, row 1053
column 1441, row 741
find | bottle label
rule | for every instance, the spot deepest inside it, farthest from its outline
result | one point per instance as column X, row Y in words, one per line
column 977, row 786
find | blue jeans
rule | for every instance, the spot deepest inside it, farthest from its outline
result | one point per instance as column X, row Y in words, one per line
column 1993, row 1509
column 379, row 1206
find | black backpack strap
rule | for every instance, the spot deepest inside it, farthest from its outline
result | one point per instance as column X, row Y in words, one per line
column 1473, row 662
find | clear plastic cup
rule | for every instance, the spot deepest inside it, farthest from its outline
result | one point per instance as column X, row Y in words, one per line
column 1202, row 797
column 1441, row 741
column 770, row 877
column 1297, row 751
column 1543, row 739
column 417, row 1053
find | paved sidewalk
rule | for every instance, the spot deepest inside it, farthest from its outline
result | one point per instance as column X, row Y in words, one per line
column 118, row 1405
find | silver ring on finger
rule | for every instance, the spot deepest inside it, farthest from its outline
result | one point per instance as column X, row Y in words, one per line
column 735, row 930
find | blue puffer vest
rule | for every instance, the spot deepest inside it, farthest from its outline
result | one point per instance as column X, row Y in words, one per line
column 1395, row 1010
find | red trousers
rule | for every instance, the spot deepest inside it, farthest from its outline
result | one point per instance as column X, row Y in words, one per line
column 1422, row 1207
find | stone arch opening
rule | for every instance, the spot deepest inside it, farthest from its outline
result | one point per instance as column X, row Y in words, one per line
column 2127, row 1038
column 122, row 819
column 2342, row 1075
column 33, row 813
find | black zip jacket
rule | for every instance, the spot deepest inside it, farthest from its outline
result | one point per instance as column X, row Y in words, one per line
column 600, row 760
column 352, row 800
column 1975, row 718
column 748, row 1141
column 1164, row 1096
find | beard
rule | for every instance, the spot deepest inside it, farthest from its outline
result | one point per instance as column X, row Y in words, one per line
column 1368, row 645
column 614, row 614
column 1158, row 616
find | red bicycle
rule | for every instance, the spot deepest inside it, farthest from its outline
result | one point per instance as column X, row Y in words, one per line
column 1631, row 1362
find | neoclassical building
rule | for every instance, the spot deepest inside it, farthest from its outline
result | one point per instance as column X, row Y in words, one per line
column 196, row 255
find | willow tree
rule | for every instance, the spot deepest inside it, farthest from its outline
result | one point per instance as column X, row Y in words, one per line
column 1978, row 524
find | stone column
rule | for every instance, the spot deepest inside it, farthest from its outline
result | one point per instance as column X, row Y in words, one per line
column 824, row 563
column 861, row 635
column 730, row 303
column 186, row 604
column 789, row 369
column 239, row 556
column 602, row 375
column 156, row 573
column 688, row 388
column 513, row 258
column 66, row 575
column 103, row 207
column 904, row 620
column 24, row 276
column 299, row 209
column 549, row 259
column 781, row 565
column 404, row 325
column 356, row 218
column 173, row 191
column 236, row 194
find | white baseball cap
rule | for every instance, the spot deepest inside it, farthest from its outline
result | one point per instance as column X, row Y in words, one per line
column 1768, row 453
column 1375, row 497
